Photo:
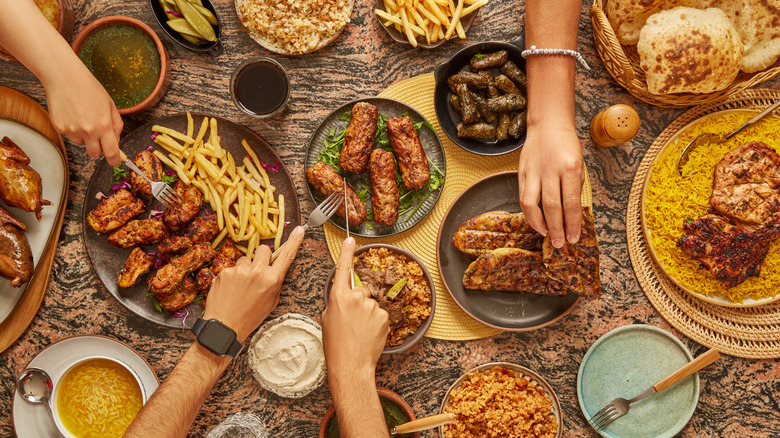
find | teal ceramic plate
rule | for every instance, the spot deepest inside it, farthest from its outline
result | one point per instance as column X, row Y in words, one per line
column 624, row 363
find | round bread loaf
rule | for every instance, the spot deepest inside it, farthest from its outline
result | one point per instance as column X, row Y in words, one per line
column 686, row 50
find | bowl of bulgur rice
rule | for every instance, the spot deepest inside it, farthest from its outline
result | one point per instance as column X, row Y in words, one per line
column 294, row 27
column 501, row 400
column 400, row 283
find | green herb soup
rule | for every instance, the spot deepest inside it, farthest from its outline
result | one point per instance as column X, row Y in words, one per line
column 125, row 60
column 394, row 415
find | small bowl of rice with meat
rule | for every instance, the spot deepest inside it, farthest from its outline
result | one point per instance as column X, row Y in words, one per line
column 400, row 283
column 294, row 27
column 500, row 400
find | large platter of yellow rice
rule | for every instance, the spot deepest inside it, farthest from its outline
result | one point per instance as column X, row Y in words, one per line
column 502, row 400
column 669, row 199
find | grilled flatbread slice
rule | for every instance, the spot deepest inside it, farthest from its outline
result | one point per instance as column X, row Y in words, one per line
column 495, row 229
column 575, row 267
column 509, row 269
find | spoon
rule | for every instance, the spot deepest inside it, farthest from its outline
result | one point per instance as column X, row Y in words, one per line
column 708, row 138
column 34, row 385
column 423, row 423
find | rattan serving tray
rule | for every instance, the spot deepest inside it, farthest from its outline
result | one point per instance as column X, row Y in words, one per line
column 753, row 332
column 622, row 63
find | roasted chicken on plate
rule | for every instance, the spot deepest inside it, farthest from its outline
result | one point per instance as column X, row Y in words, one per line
column 184, row 294
column 227, row 257
column 16, row 260
column 177, row 218
column 137, row 264
column 20, row 184
column 170, row 276
column 138, row 232
column 151, row 167
column 115, row 211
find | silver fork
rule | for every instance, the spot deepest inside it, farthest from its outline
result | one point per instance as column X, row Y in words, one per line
column 619, row 406
column 160, row 190
column 322, row 213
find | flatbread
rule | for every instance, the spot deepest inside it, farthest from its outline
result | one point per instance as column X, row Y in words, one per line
column 687, row 50
column 627, row 17
column 758, row 24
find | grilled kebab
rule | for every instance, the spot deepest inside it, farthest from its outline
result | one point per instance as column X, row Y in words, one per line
column 326, row 180
column 359, row 138
column 412, row 161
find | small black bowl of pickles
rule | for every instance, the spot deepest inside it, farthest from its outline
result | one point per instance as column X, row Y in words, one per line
column 480, row 97
column 193, row 24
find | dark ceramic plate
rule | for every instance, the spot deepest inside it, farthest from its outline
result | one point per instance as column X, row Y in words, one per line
column 400, row 37
column 212, row 48
column 430, row 141
column 108, row 259
column 512, row 311
column 449, row 118
column 418, row 334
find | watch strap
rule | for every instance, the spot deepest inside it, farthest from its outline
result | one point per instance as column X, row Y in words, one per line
column 198, row 326
column 235, row 348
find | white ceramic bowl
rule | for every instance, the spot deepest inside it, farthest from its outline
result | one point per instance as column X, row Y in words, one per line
column 57, row 384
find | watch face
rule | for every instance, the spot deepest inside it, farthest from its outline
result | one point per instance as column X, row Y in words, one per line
column 216, row 337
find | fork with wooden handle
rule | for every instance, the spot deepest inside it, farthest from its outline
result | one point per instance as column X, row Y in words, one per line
column 160, row 190
column 619, row 406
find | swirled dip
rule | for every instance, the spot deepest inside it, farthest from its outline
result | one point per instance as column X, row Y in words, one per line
column 287, row 357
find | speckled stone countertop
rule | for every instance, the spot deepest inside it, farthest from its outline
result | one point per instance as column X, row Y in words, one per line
column 738, row 397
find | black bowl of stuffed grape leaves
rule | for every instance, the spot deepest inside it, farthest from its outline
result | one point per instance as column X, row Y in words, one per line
column 480, row 97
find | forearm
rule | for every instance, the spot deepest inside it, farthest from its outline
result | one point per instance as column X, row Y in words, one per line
column 173, row 407
column 551, row 25
column 357, row 405
column 25, row 33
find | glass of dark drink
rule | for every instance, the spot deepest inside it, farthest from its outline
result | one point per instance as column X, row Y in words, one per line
column 260, row 87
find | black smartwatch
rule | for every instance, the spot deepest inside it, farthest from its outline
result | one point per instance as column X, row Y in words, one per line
column 217, row 337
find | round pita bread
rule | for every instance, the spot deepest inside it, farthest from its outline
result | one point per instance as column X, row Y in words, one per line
column 686, row 50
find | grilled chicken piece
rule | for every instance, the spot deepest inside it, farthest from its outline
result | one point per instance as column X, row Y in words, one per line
column 746, row 185
column 182, row 295
column 168, row 278
column 173, row 245
column 496, row 229
column 729, row 252
column 137, row 264
column 326, row 180
column 138, row 232
column 412, row 161
column 16, row 260
column 227, row 257
column 510, row 269
column 115, row 211
column 359, row 138
column 176, row 218
column 575, row 266
column 151, row 167
column 20, row 184
column 202, row 229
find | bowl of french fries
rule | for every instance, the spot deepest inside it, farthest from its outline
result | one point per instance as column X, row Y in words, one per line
column 427, row 23
column 193, row 24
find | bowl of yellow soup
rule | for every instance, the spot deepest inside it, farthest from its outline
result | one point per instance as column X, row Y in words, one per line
column 96, row 396
column 128, row 59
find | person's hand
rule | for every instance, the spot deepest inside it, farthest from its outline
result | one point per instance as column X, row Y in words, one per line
column 354, row 327
column 80, row 107
column 550, row 170
column 243, row 296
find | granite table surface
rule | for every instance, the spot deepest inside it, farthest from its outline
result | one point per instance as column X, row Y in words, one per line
column 738, row 397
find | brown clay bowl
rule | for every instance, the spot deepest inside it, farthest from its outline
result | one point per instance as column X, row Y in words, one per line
column 64, row 25
column 165, row 61
column 383, row 392
column 418, row 334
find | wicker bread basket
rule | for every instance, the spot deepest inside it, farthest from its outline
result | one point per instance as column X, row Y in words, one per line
column 622, row 63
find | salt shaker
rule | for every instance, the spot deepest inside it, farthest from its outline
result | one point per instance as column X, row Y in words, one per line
column 614, row 126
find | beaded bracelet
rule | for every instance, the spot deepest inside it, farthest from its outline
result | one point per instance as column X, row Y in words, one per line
column 534, row 51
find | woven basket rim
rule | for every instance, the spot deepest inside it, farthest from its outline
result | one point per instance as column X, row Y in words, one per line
column 626, row 72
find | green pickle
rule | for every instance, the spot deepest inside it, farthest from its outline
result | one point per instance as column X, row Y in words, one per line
column 196, row 20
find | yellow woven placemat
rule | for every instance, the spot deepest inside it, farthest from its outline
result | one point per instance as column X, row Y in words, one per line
column 753, row 333
column 463, row 168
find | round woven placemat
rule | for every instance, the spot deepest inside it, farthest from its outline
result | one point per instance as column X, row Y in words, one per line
column 463, row 168
column 752, row 333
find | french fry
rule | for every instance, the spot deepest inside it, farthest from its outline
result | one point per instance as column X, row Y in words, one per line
column 250, row 248
column 190, row 124
column 249, row 151
column 173, row 133
column 204, row 126
column 217, row 206
column 280, row 227
column 169, row 144
column 219, row 238
column 455, row 19
column 388, row 17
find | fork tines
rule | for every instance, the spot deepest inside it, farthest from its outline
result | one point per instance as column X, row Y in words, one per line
column 606, row 415
column 169, row 197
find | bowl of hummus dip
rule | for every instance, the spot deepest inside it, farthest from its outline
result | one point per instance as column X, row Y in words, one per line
column 286, row 356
